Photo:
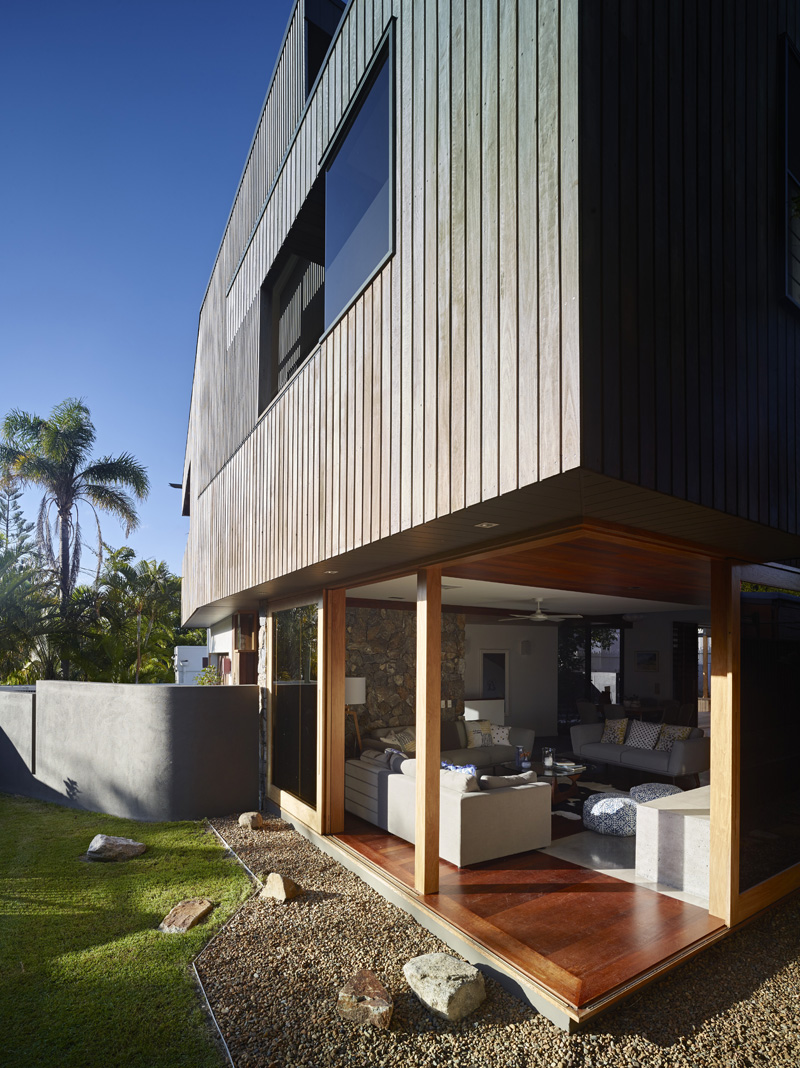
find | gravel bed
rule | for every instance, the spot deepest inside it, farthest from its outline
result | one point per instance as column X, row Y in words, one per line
column 272, row 977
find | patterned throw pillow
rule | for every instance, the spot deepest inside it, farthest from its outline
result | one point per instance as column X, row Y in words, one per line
column 479, row 733
column 406, row 738
column 669, row 735
column 500, row 735
column 614, row 731
column 461, row 769
column 642, row 735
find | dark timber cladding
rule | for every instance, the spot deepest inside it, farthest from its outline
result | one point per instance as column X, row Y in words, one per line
column 453, row 377
column 688, row 345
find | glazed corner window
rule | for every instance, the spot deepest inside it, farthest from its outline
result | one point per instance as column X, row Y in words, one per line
column 792, row 174
column 358, row 196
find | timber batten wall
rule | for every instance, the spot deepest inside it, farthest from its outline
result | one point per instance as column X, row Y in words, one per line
column 454, row 376
column 688, row 345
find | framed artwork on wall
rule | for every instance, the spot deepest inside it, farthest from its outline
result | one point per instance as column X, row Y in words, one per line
column 646, row 660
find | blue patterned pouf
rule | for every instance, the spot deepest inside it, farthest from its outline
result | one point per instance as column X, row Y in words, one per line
column 610, row 814
column 649, row 791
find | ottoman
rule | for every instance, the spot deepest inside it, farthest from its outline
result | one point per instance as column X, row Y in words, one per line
column 649, row 791
column 610, row 814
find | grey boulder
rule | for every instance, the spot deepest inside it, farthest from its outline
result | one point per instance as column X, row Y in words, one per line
column 449, row 987
column 108, row 847
column 252, row 820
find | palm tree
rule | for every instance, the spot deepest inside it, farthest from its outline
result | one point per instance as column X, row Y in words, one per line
column 146, row 592
column 54, row 453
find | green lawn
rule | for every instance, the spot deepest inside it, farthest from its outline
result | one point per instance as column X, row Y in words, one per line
column 85, row 976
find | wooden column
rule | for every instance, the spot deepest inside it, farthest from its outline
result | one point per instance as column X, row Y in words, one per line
column 429, row 697
column 333, row 637
column 725, row 763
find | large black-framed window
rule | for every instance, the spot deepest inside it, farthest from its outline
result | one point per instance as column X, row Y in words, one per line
column 342, row 236
column 792, row 133
column 359, row 209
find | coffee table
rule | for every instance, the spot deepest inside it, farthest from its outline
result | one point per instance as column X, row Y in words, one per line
column 559, row 791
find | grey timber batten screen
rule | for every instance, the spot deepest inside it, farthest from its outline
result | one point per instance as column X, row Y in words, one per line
column 792, row 173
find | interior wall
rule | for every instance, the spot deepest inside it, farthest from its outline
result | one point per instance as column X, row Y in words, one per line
column 532, row 699
column 220, row 636
column 654, row 634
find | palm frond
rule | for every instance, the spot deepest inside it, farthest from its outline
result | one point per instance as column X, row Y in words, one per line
column 75, row 562
column 100, row 546
column 114, row 501
column 21, row 429
column 121, row 470
column 69, row 432
column 44, row 535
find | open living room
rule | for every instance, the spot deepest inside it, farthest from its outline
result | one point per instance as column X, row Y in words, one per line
column 574, row 791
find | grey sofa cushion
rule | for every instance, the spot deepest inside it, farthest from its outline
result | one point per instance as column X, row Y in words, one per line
column 646, row 759
column 603, row 752
column 458, row 781
column 497, row 782
column 484, row 756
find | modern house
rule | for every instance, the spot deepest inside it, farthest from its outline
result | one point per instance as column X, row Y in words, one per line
column 507, row 310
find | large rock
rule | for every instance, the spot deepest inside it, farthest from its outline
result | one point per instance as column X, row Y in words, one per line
column 185, row 915
column 365, row 1000
column 280, row 888
column 107, row 847
column 253, row 820
column 449, row 987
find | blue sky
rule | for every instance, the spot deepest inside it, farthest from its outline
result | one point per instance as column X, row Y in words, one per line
column 124, row 128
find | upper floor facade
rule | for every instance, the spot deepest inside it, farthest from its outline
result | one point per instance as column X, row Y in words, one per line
column 517, row 263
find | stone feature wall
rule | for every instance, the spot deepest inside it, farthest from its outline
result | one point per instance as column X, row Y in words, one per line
column 382, row 647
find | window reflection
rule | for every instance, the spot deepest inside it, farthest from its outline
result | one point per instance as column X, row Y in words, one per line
column 358, row 210
column 294, row 702
column 770, row 735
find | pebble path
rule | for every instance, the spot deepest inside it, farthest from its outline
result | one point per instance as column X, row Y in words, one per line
column 272, row 977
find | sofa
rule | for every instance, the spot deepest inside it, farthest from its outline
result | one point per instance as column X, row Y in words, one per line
column 474, row 824
column 454, row 743
column 687, row 756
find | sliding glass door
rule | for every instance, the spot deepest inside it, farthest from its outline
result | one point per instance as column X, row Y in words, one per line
column 294, row 702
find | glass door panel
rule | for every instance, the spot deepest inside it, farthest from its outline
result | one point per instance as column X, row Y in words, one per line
column 770, row 733
column 294, row 702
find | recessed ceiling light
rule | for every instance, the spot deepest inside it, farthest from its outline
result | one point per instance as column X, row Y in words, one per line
column 486, row 526
column 446, row 587
column 330, row 572
column 396, row 597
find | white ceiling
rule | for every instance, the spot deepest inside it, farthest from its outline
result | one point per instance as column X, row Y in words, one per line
column 480, row 594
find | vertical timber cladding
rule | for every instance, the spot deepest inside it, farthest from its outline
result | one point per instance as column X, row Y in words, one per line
column 454, row 375
column 689, row 346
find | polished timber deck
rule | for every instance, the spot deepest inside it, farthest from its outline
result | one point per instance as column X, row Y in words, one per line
column 580, row 934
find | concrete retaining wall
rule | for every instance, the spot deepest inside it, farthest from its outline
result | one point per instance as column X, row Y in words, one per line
column 146, row 752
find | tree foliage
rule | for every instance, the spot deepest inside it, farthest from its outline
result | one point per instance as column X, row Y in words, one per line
column 55, row 454
column 135, row 622
column 15, row 529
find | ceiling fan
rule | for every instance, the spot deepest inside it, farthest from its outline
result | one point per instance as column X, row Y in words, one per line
column 540, row 616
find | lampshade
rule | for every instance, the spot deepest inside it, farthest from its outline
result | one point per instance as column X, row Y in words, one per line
column 355, row 691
